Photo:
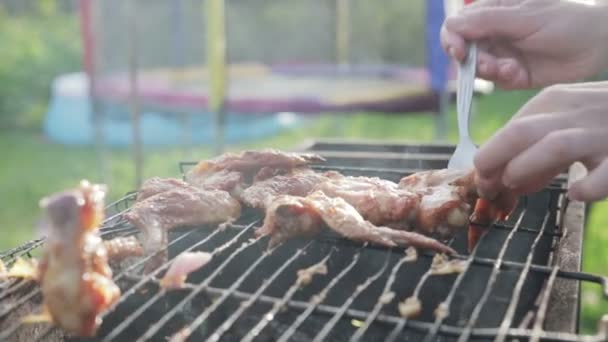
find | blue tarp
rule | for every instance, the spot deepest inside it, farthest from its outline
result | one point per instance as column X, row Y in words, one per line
column 437, row 60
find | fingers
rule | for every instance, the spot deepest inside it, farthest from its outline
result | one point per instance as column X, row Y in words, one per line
column 485, row 21
column 514, row 138
column 553, row 152
column 511, row 74
column 593, row 187
column 453, row 44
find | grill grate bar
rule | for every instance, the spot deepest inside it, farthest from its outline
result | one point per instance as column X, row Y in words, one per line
column 319, row 298
column 205, row 314
column 359, row 289
column 381, row 301
column 4, row 335
column 527, row 230
column 14, row 287
column 222, row 329
column 165, row 265
column 540, row 317
column 402, row 320
column 490, row 285
column 128, row 320
column 160, row 323
column 392, row 320
column 455, row 286
column 508, row 318
column 278, row 306
column 124, row 273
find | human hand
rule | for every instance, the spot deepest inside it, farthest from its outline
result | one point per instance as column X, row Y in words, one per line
column 563, row 124
column 531, row 43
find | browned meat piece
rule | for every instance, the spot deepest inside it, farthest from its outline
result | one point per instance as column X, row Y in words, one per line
column 156, row 185
column 486, row 212
column 379, row 201
column 74, row 275
column 233, row 172
column 291, row 216
column 298, row 182
column 231, row 181
column 450, row 202
column 463, row 181
column 255, row 160
column 156, row 215
column 446, row 200
column 123, row 247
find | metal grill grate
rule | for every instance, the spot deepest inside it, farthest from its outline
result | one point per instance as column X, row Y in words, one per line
column 246, row 293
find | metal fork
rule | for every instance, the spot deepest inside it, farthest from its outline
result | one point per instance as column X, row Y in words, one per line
column 465, row 150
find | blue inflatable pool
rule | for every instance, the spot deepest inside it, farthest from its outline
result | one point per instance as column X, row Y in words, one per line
column 69, row 120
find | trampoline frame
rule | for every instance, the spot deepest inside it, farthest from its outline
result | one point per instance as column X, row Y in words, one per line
column 435, row 101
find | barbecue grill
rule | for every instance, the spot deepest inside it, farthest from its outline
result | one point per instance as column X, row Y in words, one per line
column 521, row 282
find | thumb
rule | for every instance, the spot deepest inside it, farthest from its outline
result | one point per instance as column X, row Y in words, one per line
column 482, row 22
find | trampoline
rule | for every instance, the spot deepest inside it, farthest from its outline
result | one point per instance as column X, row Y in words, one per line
column 257, row 88
column 169, row 72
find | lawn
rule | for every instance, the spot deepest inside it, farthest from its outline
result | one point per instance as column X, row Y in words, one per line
column 33, row 167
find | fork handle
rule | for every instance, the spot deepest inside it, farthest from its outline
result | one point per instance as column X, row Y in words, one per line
column 466, row 85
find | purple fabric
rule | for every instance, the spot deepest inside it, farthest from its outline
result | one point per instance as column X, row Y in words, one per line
column 157, row 91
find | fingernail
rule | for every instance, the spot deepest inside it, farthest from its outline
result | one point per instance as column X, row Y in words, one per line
column 483, row 67
column 509, row 183
column 506, row 68
column 451, row 52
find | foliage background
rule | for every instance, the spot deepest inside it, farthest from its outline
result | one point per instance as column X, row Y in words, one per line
column 40, row 40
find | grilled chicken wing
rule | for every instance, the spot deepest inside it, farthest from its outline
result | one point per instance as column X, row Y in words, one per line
column 379, row 201
column 156, row 185
column 298, row 182
column 234, row 172
column 292, row 216
column 450, row 201
column 75, row 278
column 446, row 200
column 187, row 206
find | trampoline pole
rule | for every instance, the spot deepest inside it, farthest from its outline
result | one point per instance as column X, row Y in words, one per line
column 88, row 35
column 442, row 115
column 342, row 31
column 133, row 91
column 216, row 65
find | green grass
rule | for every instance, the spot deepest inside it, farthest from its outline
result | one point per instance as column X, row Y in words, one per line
column 32, row 167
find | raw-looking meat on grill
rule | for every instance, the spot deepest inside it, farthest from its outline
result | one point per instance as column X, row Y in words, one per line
column 73, row 273
column 183, row 264
column 180, row 207
column 290, row 216
column 297, row 182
